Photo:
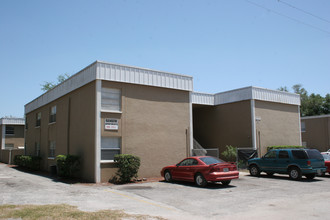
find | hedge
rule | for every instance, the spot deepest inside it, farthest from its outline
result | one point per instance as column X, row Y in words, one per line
column 67, row 165
column 30, row 162
column 283, row 147
column 128, row 167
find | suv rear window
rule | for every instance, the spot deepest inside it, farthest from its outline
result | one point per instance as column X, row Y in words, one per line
column 314, row 154
column 299, row 154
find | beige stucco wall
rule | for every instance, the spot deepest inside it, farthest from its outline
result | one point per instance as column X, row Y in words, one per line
column 18, row 138
column 153, row 126
column 74, row 130
column 276, row 124
column 227, row 124
column 317, row 134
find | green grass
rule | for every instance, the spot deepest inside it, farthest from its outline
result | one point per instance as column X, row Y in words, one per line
column 62, row 212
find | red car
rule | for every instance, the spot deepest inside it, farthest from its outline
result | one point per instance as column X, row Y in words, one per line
column 201, row 169
column 327, row 161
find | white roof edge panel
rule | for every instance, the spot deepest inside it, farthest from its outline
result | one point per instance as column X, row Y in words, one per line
column 12, row 121
column 142, row 76
column 247, row 93
column 315, row 116
column 112, row 72
column 202, row 98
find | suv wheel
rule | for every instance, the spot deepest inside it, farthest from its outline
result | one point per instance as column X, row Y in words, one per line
column 295, row 173
column 254, row 170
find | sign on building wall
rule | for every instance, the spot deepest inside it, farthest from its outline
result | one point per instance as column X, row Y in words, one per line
column 111, row 124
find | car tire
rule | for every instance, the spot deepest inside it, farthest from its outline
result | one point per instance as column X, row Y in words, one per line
column 310, row 176
column 168, row 176
column 200, row 180
column 254, row 170
column 225, row 183
column 295, row 173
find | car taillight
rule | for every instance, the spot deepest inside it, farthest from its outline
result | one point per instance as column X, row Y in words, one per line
column 308, row 162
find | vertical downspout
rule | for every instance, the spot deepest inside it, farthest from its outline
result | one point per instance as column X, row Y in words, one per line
column 191, row 135
column 98, row 131
column 300, row 137
column 69, row 121
column 253, row 123
column 3, row 136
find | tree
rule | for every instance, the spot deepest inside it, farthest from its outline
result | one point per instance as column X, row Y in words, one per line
column 50, row 85
column 313, row 104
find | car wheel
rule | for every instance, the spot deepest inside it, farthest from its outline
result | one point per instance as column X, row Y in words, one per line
column 295, row 173
column 226, row 183
column 200, row 180
column 270, row 174
column 168, row 176
column 310, row 176
column 254, row 170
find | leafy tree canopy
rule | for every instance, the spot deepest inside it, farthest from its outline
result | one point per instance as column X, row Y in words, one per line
column 49, row 85
column 313, row 104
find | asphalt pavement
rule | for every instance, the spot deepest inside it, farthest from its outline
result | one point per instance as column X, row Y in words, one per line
column 248, row 197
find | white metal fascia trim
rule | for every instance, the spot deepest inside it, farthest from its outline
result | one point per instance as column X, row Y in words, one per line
column 142, row 76
column 202, row 98
column 12, row 121
column 315, row 116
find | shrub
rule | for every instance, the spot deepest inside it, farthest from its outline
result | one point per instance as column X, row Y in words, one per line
column 30, row 162
column 67, row 165
column 283, row 147
column 128, row 167
column 230, row 153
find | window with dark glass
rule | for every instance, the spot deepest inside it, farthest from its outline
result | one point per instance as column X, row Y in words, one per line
column 10, row 130
column 38, row 119
column 52, row 148
column 52, row 114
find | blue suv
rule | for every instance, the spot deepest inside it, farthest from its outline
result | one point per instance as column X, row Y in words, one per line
column 295, row 162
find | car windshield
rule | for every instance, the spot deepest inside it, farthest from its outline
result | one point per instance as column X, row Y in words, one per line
column 211, row 160
column 314, row 154
column 326, row 157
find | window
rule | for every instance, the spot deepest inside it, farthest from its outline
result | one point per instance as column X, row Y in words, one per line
column 299, row 154
column 38, row 119
column 111, row 99
column 52, row 147
column 37, row 149
column 271, row 154
column 188, row 162
column 10, row 130
column 110, row 146
column 283, row 154
column 52, row 115
column 9, row 146
column 303, row 126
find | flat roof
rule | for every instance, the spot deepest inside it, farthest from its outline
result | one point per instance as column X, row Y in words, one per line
column 316, row 116
column 100, row 70
column 246, row 93
column 12, row 121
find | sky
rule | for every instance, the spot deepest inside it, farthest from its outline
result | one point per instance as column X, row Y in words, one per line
column 222, row 44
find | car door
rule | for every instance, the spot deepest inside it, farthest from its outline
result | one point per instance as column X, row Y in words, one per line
column 283, row 161
column 184, row 170
column 267, row 163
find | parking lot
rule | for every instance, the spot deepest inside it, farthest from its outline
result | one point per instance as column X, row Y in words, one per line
column 248, row 197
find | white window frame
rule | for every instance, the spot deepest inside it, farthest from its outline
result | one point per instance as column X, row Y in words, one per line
column 110, row 100
column 114, row 148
